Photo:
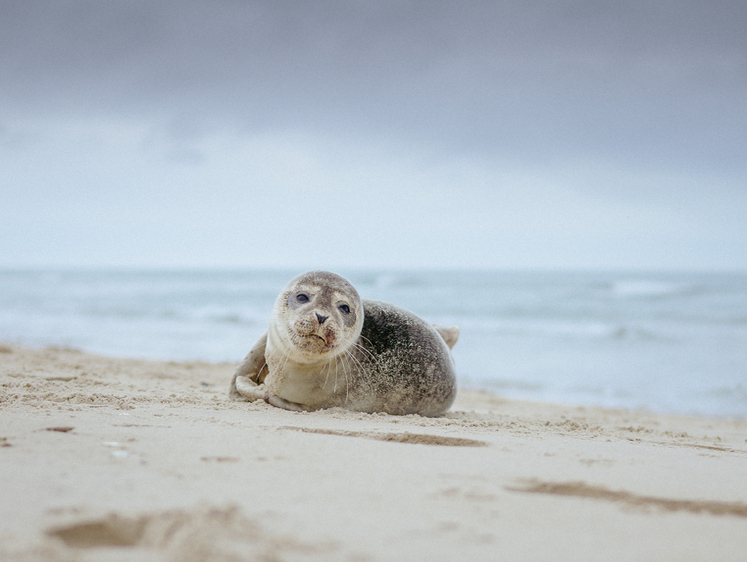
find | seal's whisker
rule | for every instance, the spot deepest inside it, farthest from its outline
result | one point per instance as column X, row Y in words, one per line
column 365, row 351
column 347, row 386
column 359, row 380
column 326, row 376
column 337, row 374
column 354, row 359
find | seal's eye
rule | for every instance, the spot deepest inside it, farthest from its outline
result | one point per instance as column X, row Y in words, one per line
column 345, row 308
column 302, row 297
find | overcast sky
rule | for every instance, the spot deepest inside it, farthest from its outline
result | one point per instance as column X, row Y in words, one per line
column 519, row 134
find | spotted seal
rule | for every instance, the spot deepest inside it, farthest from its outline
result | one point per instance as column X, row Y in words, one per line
column 327, row 347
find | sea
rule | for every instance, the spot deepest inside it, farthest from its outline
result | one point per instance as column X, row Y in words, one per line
column 667, row 342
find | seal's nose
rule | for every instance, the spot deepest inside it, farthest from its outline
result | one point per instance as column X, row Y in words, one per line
column 321, row 318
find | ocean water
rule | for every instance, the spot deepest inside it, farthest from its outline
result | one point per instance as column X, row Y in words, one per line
column 665, row 342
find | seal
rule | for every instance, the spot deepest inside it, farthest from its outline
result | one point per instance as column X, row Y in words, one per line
column 327, row 347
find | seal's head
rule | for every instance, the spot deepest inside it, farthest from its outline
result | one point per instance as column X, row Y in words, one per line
column 317, row 317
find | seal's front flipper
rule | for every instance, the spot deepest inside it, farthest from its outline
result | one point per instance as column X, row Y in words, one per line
column 248, row 390
column 450, row 335
column 252, row 370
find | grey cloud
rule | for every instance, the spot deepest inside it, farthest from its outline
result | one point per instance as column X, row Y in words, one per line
column 651, row 85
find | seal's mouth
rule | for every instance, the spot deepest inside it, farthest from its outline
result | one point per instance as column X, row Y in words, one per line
column 318, row 339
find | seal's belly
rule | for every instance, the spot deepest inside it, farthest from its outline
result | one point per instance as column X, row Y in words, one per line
column 313, row 387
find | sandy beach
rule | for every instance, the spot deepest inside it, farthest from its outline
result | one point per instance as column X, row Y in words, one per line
column 120, row 459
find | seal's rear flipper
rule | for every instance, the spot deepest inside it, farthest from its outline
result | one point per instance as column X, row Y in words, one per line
column 450, row 335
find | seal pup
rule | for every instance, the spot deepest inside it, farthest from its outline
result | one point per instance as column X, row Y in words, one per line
column 327, row 347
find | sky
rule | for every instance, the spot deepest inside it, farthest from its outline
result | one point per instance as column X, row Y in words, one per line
column 391, row 134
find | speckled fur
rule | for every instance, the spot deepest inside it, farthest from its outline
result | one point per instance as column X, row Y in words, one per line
column 394, row 362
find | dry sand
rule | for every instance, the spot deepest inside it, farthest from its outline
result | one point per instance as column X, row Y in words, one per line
column 120, row 459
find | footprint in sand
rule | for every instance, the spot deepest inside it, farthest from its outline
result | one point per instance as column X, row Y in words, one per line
column 210, row 533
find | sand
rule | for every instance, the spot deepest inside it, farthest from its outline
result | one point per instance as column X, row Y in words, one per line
column 120, row 459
